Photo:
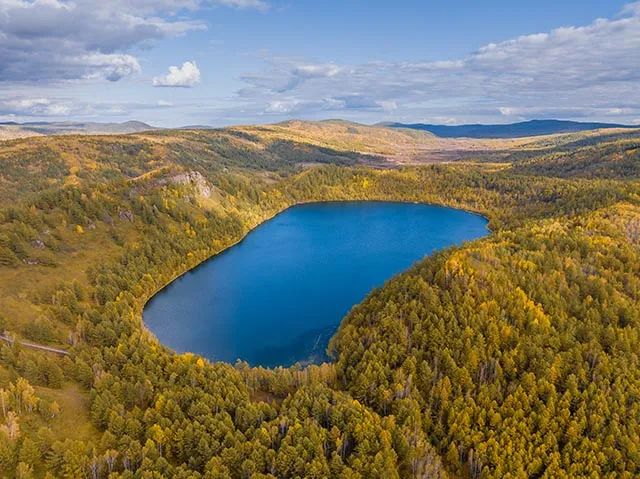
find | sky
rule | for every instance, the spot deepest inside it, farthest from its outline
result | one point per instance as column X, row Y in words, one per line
column 221, row 62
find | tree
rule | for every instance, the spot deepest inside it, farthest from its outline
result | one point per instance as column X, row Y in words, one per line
column 24, row 471
column 11, row 426
column 29, row 452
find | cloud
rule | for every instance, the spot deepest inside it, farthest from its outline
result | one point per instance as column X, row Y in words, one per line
column 33, row 107
column 590, row 71
column 576, row 71
column 282, row 106
column 337, row 103
column 631, row 9
column 286, row 75
column 45, row 107
column 301, row 73
column 245, row 4
column 576, row 112
column 185, row 76
column 54, row 40
column 315, row 71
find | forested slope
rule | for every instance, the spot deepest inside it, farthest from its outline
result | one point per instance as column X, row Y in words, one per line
column 512, row 356
column 611, row 159
column 520, row 351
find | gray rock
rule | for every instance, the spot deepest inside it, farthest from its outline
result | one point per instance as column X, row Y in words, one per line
column 193, row 178
column 126, row 215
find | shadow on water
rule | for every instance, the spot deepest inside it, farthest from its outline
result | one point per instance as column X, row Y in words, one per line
column 308, row 348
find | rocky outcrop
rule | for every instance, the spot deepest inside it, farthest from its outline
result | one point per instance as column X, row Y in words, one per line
column 38, row 244
column 193, row 178
column 125, row 215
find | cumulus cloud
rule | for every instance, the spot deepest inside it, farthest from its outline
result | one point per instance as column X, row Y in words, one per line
column 185, row 76
column 50, row 40
column 571, row 71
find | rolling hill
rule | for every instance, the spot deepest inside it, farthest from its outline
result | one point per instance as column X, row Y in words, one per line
column 511, row 356
column 12, row 130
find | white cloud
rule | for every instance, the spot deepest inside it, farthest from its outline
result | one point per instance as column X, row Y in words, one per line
column 248, row 4
column 26, row 108
column 388, row 106
column 631, row 9
column 574, row 71
column 45, row 40
column 576, row 112
column 33, row 107
column 112, row 67
column 52, row 40
column 590, row 71
column 315, row 71
column 185, row 76
column 301, row 73
column 281, row 106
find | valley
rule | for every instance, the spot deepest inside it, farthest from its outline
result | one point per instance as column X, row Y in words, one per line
column 515, row 354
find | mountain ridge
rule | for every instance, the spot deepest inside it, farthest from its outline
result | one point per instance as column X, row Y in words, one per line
column 12, row 130
column 509, row 130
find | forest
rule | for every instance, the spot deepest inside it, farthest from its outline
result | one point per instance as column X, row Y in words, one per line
column 516, row 355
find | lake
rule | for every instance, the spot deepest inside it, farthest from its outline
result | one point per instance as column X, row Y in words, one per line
column 278, row 296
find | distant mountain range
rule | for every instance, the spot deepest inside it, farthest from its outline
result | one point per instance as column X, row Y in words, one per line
column 10, row 130
column 512, row 130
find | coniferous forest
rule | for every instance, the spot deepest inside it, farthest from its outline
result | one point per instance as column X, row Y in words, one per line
column 516, row 355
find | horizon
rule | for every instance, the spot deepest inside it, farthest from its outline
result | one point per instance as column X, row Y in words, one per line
column 238, row 62
column 293, row 119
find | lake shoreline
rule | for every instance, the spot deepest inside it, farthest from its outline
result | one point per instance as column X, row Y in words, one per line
column 267, row 219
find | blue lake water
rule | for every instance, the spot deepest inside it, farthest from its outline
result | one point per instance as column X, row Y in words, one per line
column 278, row 296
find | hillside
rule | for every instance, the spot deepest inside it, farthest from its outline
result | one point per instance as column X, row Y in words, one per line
column 13, row 130
column 54, row 161
column 619, row 159
column 512, row 130
column 514, row 355
column 399, row 145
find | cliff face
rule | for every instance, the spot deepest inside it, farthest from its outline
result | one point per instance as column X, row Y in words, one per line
column 189, row 178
